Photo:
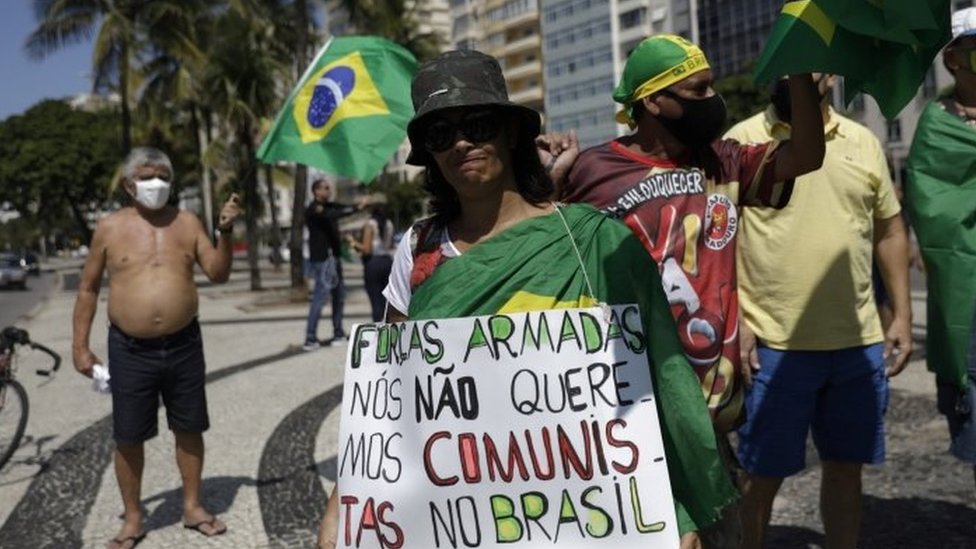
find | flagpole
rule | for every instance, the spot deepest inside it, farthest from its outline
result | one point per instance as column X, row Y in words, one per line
column 297, row 88
column 308, row 69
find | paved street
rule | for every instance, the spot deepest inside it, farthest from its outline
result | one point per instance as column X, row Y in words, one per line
column 17, row 302
column 271, row 447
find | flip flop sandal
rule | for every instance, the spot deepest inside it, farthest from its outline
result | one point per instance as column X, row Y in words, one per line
column 136, row 540
column 197, row 527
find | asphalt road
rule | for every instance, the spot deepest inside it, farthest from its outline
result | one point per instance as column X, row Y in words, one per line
column 16, row 303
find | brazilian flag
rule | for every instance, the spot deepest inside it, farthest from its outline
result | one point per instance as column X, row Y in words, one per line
column 883, row 48
column 349, row 112
column 939, row 197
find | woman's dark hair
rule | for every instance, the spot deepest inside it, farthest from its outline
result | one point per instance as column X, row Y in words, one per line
column 531, row 178
column 378, row 214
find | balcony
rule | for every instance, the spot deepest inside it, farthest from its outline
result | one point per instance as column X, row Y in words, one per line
column 528, row 43
column 524, row 70
column 530, row 17
column 527, row 96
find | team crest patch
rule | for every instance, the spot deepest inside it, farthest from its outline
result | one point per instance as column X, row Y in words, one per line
column 721, row 221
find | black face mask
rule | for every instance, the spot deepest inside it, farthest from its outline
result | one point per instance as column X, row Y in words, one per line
column 702, row 122
column 779, row 96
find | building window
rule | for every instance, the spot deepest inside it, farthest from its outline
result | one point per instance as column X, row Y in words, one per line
column 632, row 18
column 894, row 131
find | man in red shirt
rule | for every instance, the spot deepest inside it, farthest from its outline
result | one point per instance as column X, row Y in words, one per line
column 679, row 189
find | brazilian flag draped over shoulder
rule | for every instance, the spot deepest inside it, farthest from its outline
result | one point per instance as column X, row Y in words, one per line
column 939, row 197
column 349, row 112
column 883, row 48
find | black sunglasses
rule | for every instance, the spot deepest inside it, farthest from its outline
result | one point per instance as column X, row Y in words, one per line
column 476, row 126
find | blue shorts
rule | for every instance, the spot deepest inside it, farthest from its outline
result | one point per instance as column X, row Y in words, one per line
column 840, row 395
column 143, row 370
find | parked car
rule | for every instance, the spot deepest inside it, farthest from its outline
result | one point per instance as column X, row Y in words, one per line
column 12, row 274
column 30, row 262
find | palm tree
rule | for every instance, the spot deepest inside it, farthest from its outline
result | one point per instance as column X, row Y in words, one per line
column 177, row 44
column 242, row 81
column 114, row 24
column 395, row 20
column 293, row 27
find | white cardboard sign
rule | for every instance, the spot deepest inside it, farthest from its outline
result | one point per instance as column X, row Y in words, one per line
column 517, row 430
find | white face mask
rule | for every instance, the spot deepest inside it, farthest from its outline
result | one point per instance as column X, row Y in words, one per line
column 152, row 193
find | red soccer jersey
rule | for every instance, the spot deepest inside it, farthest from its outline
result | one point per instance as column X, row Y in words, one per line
column 686, row 217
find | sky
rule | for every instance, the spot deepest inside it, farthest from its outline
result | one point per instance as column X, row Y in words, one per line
column 26, row 82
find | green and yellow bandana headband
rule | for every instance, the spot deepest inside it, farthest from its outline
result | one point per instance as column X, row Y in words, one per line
column 656, row 63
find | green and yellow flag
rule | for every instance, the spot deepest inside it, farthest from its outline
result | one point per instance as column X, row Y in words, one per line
column 883, row 48
column 577, row 258
column 349, row 112
column 939, row 195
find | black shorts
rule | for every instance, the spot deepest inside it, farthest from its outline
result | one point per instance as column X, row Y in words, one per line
column 142, row 370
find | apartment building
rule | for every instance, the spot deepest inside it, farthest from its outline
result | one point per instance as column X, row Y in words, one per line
column 431, row 16
column 733, row 32
column 585, row 44
column 509, row 31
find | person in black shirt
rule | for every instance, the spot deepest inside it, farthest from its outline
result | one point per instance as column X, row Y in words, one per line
column 324, row 247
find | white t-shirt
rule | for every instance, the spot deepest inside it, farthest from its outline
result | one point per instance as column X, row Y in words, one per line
column 382, row 246
column 397, row 291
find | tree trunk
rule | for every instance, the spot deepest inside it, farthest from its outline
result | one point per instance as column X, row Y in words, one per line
column 296, row 240
column 124, row 98
column 86, row 233
column 251, row 208
column 206, row 188
column 301, row 172
column 275, row 239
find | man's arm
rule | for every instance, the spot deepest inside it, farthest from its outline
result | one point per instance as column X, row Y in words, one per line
column 86, row 303
column 557, row 154
column 216, row 260
column 804, row 152
column 891, row 253
column 338, row 211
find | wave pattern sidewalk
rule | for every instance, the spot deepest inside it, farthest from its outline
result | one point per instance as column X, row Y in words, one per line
column 271, row 447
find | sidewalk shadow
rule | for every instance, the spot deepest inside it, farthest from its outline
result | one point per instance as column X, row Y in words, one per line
column 793, row 537
column 917, row 523
column 219, row 494
column 905, row 523
column 329, row 468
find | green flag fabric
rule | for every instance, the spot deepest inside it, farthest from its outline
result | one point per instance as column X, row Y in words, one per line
column 882, row 48
column 940, row 195
column 534, row 266
column 349, row 112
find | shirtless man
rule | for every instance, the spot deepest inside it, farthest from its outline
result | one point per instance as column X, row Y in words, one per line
column 154, row 346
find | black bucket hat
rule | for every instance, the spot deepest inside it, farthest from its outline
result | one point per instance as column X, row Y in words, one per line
column 460, row 78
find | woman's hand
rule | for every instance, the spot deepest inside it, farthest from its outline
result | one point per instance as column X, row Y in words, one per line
column 329, row 527
column 691, row 541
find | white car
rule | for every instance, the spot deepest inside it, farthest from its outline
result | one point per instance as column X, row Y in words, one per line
column 12, row 274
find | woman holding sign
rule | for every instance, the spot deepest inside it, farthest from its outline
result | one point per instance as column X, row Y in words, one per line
column 497, row 244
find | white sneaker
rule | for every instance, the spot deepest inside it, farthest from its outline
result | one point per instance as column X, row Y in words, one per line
column 340, row 339
column 311, row 346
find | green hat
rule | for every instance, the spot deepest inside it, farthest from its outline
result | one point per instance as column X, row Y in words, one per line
column 656, row 63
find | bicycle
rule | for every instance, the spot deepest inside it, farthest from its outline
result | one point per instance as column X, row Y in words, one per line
column 14, row 405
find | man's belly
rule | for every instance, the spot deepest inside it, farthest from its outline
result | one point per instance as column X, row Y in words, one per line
column 152, row 310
